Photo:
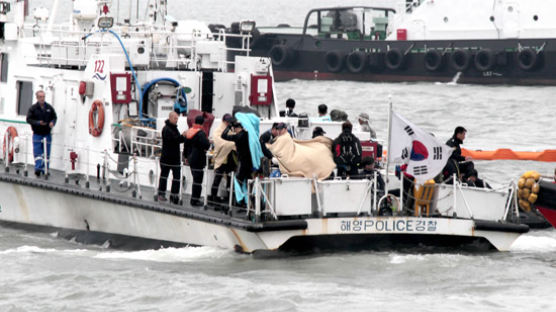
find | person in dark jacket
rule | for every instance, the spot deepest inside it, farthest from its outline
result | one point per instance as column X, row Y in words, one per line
column 290, row 105
column 368, row 172
column 458, row 164
column 267, row 136
column 195, row 152
column 42, row 118
column 241, row 139
column 347, row 152
column 170, row 158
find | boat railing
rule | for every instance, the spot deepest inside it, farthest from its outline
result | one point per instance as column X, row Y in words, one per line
column 143, row 141
column 190, row 51
column 268, row 197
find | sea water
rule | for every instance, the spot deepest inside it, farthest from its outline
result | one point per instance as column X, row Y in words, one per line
column 41, row 272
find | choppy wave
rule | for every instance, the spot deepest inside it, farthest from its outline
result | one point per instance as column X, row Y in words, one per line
column 185, row 254
column 536, row 243
column 36, row 249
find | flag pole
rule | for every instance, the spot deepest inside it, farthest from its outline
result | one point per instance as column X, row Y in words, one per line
column 388, row 144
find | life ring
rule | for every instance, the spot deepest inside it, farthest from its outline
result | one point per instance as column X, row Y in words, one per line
column 9, row 143
column 460, row 59
column 527, row 59
column 334, row 61
column 485, row 60
column 281, row 55
column 356, row 61
column 434, row 60
column 95, row 128
column 394, row 59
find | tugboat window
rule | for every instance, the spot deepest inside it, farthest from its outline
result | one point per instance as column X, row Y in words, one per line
column 535, row 18
column 446, row 19
column 3, row 67
column 492, row 18
column 24, row 96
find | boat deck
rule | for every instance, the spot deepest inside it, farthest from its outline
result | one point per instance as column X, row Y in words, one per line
column 112, row 191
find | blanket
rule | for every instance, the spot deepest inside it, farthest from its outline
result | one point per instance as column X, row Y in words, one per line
column 221, row 147
column 304, row 158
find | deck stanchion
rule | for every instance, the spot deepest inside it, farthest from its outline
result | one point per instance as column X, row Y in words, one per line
column 180, row 192
column 106, row 174
column 25, row 170
column 87, row 183
column 400, row 206
column 6, row 152
column 135, row 176
column 157, row 178
column 249, row 182
column 205, row 182
column 454, row 191
column 257, row 200
column 375, row 179
column 319, row 204
column 230, row 200
column 45, row 157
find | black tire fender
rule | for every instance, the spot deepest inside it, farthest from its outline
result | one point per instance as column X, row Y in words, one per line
column 334, row 61
column 527, row 59
column 460, row 59
column 281, row 55
column 485, row 60
column 394, row 59
column 433, row 60
column 356, row 61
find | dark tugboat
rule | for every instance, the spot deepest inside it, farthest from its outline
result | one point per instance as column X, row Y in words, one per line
column 477, row 41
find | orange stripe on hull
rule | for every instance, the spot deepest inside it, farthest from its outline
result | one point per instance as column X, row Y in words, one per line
column 505, row 153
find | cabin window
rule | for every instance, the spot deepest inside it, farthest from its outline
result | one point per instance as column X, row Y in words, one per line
column 3, row 67
column 24, row 96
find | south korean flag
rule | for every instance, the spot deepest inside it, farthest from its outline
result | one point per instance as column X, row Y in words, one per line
column 424, row 155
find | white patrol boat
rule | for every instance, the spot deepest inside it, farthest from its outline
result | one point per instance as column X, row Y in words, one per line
column 113, row 84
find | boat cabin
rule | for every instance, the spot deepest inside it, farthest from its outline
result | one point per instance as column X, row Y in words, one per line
column 351, row 23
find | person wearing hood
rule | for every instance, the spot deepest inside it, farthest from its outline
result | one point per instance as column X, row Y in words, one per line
column 195, row 149
column 170, row 158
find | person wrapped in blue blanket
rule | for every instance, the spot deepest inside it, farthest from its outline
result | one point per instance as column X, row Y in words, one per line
column 246, row 137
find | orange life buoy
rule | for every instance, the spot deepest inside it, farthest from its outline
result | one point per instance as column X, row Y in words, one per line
column 95, row 128
column 9, row 143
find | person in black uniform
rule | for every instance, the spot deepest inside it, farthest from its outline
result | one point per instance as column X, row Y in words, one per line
column 368, row 172
column 195, row 149
column 458, row 164
column 170, row 158
column 347, row 152
column 42, row 118
column 290, row 105
column 241, row 139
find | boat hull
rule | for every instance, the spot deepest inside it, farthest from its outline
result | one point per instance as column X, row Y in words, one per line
column 546, row 201
column 307, row 59
column 94, row 215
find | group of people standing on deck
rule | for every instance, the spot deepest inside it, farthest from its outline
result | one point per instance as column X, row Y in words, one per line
column 232, row 152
